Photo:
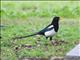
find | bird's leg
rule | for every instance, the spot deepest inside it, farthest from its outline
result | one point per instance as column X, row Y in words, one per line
column 50, row 38
column 46, row 37
column 52, row 42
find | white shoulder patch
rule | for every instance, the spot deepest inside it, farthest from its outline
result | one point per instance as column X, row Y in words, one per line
column 51, row 26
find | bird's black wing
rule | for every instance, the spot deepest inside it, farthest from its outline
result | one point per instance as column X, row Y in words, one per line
column 41, row 32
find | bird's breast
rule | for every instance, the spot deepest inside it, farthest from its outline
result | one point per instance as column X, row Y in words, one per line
column 50, row 33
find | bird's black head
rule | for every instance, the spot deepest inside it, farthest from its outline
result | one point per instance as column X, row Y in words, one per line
column 55, row 22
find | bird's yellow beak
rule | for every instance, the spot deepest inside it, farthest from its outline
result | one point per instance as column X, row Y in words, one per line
column 61, row 18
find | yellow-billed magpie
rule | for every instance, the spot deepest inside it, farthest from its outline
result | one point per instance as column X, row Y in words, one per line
column 48, row 31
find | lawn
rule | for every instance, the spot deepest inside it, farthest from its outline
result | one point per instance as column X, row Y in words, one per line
column 24, row 18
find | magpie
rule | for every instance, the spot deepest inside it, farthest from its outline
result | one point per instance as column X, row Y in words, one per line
column 48, row 31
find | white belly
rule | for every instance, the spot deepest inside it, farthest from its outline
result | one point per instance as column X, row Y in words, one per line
column 50, row 33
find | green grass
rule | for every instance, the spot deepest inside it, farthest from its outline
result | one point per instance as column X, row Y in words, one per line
column 68, row 9
column 26, row 18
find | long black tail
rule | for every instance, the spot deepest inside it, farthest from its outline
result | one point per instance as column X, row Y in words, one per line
column 25, row 36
